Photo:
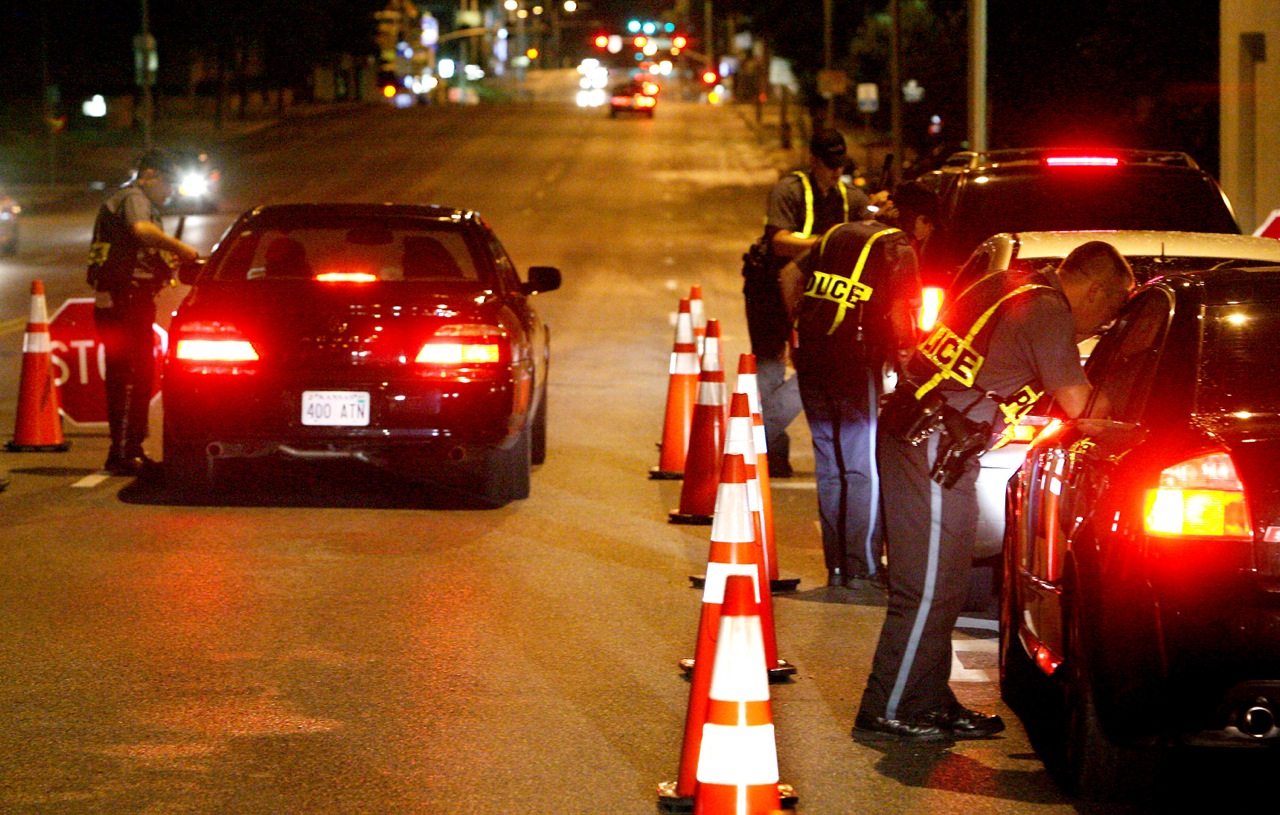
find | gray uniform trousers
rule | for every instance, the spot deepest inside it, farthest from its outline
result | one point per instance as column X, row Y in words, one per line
column 929, row 540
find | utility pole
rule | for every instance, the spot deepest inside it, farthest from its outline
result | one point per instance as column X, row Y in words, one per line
column 895, row 89
column 826, row 58
column 710, row 45
column 148, row 48
column 978, row 75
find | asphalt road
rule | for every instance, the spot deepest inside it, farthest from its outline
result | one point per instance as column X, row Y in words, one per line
column 324, row 640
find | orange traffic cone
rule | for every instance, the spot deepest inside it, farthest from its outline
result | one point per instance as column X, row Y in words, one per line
column 699, row 314
column 748, row 383
column 38, row 427
column 738, row 760
column 739, row 440
column 706, row 438
column 682, row 393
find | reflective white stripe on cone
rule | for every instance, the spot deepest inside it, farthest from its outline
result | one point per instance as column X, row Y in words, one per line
column 682, row 394
column 738, row 763
column 38, row 425
column 706, row 438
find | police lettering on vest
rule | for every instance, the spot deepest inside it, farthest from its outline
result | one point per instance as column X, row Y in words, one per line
column 956, row 348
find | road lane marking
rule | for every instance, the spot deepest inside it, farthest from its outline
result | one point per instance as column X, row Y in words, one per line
column 90, row 481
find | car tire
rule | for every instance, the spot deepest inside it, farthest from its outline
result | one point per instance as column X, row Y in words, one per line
column 1094, row 766
column 538, row 432
column 506, row 476
column 11, row 248
column 186, row 468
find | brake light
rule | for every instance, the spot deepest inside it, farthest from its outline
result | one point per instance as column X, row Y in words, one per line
column 213, row 342
column 1082, row 161
column 1199, row 498
column 930, row 307
column 346, row 277
column 463, row 345
column 645, row 101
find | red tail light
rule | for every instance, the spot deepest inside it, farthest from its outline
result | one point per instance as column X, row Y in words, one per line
column 1199, row 498
column 931, row 306
column 213, row 343
column 461, row 346
column 1082, row 161
column 346, row 277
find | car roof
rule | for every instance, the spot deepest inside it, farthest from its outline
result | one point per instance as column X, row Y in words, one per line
column 304, row 212
column 1026, row 157
column 1230, row 286
column 1133, row 242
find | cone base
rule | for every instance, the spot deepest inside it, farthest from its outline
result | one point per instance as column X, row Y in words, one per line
column 780, row 672
column 61, row 447
column 779, row 586
column 656, row 474
column 669, row 802
column 675, row 516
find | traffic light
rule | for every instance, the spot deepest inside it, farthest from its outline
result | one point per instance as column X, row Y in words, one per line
column 602, row 41
column 710, row 77
column 679, row 41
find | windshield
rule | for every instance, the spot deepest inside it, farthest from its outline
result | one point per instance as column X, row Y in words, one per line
column 1240, row 362
column 375, row 249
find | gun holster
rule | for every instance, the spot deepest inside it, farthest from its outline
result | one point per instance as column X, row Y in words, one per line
column 962, row 441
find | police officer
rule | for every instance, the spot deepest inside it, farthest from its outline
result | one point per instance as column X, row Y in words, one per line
column 802, row 207
column 1008, row 339
column 130, row 261
column 854, row 296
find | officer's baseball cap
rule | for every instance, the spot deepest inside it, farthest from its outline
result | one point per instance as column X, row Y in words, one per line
column 828, row 146
column 158, row 160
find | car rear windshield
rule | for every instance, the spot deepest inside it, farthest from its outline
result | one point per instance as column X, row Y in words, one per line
column 1078, row 198
column 387, row 250
column 1240, row 362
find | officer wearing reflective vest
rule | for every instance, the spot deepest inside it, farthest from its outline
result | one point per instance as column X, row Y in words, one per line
column 130, row 260
column 802, row 207
column 853, row 297
column 1003, row 342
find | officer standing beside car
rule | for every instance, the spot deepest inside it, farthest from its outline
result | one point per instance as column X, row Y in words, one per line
column 130, row 260
column 1005, row 342
column 854, row 297
column 802, row 207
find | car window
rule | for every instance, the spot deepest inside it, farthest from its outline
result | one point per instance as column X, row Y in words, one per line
column 1124, row 363
column 1240, row 360
column 388, row 252
column 506, row 269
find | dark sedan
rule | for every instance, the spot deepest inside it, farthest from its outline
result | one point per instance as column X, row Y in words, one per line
column 1142, row 551
column 396, row 335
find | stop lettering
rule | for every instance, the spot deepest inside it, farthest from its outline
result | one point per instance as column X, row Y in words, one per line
column 79, row 362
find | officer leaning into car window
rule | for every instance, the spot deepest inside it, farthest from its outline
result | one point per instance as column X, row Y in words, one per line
column 1005, row 341
column 130, row 260
column 853, row 298
column 803, row 205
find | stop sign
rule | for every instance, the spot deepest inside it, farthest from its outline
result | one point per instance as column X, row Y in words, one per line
column 80, row 363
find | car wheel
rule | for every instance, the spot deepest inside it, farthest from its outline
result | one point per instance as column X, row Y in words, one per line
column 506, row 476
column 11, row 248
column 1094, row 765
column 187, row 468
column 538, row 433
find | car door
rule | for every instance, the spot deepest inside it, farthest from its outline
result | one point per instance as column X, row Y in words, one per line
column 1068, row 471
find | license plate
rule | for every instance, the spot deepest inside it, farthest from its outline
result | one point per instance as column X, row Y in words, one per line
column 335, row 408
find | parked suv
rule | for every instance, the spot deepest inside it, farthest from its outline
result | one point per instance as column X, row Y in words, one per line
column 1041, row 189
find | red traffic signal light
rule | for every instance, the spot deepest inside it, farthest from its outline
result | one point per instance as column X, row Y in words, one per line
column 710, row 77
column 602, row 41
column 679, row 41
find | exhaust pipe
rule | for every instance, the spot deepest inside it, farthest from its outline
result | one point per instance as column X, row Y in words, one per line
column 1257, row 720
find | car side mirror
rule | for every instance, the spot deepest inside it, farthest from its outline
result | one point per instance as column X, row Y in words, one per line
column 542, row 278
column 189, row 270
